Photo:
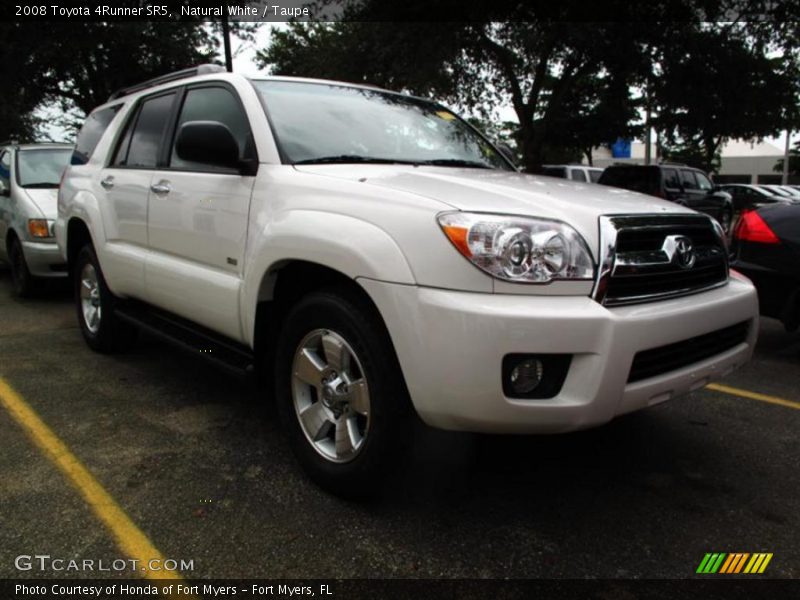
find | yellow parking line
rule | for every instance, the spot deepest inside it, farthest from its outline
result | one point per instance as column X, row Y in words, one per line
column 752, row 395
column 127, row 535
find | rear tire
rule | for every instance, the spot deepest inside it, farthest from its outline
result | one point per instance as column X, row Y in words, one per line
column 24, row 283
column 95, row 304
column 340, row 393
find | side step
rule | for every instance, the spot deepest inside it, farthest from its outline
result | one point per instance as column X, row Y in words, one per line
column 230, row 356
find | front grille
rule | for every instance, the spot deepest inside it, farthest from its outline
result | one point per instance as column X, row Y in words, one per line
column 647, row 258
column 656, row 361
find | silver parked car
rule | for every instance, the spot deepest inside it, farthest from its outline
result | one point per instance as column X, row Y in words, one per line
column 29, row 178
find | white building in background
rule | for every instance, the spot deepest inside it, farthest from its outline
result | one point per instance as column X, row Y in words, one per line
column 741, row 161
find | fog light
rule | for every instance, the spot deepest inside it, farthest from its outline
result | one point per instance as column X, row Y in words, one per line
column 534, row 376
column 526, row 376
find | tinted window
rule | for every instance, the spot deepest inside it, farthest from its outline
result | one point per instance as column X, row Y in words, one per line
column 578, row 175
column 595, row 176
column 214, row 104
column 703, row 182
column 91, row 132
column 688, row 179
column 671, row 179
column 42, row 168
column 147, row 133
column 554, row 172
column 639, row 179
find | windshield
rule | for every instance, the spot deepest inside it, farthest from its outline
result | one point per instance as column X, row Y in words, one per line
column 321, row 123
column 41, row 168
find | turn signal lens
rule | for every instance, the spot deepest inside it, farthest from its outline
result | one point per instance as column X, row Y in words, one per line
column 752, row 228
column 39, row 228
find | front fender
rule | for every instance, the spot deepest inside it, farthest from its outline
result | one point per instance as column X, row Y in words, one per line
column 84, row 207
column 346, row 244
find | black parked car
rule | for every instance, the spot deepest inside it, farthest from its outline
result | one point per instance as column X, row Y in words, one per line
column 747, row 197
column 766, row 248
column 683, row 185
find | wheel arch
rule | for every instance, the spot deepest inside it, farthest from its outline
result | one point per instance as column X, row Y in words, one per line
column 78, row 235
column 286, row 283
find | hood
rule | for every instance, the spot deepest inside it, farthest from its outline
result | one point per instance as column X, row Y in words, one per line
column 46, row 200
column 484, row 190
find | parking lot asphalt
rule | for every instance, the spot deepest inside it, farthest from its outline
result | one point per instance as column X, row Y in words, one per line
column 197, row 461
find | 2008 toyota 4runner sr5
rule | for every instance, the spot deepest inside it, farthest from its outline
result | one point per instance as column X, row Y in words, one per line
column 376, row 256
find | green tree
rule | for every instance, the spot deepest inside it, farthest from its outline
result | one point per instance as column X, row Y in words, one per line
column 83, row 63
column 21, row 93
column 794, row 162
column 715, row 83
column 76, row 65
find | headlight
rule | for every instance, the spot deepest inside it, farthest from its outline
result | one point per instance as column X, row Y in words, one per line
column 519, row 249
column 41, row 228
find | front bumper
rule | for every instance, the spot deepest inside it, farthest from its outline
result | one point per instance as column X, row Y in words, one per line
column 44, row 259
column 451, row 345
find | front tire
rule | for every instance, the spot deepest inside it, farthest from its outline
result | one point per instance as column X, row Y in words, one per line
column 101, row 328
column 340, row 393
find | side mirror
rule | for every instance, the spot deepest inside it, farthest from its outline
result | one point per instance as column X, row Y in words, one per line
column 208, row 142
column 4, row 189
column 507, row 152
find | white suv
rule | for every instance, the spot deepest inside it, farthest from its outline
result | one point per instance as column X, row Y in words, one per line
column 378, row 257
column 580, row 173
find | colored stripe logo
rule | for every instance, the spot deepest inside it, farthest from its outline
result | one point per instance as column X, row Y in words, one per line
column 734, row 562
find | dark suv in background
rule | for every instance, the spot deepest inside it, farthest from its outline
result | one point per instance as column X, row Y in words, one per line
column 683, row 185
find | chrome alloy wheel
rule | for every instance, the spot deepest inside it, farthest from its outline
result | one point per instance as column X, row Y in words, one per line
column 330, row 395
column 90, row 298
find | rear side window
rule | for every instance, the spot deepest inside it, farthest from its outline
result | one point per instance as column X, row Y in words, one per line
column 93, row 129
column 555, row 172
column 671, row 179
column 689, row 182
column 638, row 179
column 578, row 175
column 142, row 138
column 214, row 104
column 595, row 176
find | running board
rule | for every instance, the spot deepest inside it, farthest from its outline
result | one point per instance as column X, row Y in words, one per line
column 226, row 354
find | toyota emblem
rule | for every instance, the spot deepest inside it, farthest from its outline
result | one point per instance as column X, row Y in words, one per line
column 679, row 249
column 684, row 252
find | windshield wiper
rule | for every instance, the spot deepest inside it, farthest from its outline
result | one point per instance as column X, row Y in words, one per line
column 353, row 158
column 41, row 185
column 455, row 162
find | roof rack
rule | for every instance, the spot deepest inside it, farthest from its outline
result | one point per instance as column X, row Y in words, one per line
column 205, row 69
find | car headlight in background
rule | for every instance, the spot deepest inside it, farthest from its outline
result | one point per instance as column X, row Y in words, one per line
column 519, row 249
column 41, row 228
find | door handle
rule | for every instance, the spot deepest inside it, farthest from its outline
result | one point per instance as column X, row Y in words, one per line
column 108, row 182
column 161, row 188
